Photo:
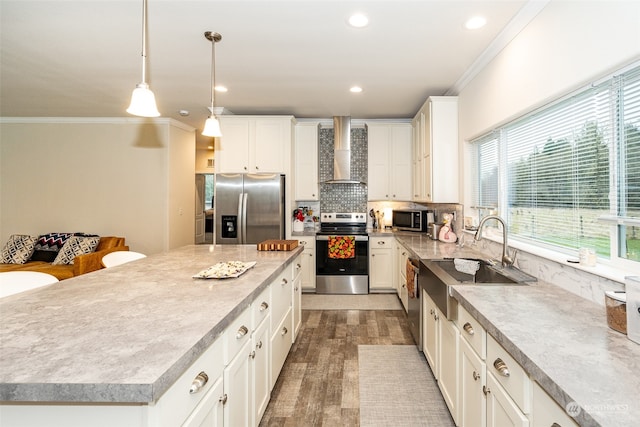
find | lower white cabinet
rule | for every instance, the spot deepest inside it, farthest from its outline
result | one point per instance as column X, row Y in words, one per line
column 448, row 360
column 237, row 389
column 381, row 260
column 260, row 371
column 501, row 409
column 401, row 257
column 308, row 263
column 471, row 399
column 280, row 346
column 430, row 344
column 296, row 303
column 209, row 413
column 546, row 412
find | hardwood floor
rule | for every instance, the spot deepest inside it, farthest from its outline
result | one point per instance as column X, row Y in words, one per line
column 318, row 384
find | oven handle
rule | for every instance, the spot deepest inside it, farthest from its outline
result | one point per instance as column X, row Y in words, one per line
column 358, row 238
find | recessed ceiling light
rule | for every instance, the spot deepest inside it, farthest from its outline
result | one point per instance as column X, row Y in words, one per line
column 358, row 20
column 221, row 89
column 355, row 89
column 475, row 23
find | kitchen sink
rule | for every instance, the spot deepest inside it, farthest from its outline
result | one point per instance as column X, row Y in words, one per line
column 438, row 275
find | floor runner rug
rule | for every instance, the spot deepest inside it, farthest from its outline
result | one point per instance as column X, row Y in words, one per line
column 351, row 302
column 397, row 388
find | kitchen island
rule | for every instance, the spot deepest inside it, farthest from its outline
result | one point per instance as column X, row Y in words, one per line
column 123, row 335
column 561, row 340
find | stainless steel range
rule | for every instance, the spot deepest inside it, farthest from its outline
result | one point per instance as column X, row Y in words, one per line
column 342, row 254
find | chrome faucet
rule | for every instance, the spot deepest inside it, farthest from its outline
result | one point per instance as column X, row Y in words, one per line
column 507, row 261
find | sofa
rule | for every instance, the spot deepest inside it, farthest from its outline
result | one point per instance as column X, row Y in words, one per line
column 24, row 257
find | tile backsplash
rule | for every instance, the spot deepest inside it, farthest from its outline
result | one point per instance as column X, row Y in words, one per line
column 343, row 197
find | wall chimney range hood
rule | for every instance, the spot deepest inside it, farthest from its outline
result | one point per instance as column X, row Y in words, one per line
column 342, row 152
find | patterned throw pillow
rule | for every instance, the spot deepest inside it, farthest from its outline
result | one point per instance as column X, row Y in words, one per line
column 18, row 249
column 76, row 245
column 48, row 246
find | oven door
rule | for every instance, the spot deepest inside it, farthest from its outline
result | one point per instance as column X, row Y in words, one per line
column 358, row 265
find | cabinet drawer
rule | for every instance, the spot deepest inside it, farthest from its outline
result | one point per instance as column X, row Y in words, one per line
column 280, row 346
column 178, row 402
column 546, row 412
column 236, row 334
column 509, row 374
column 307, row 242
column 281, row 297
column 381, row 242
column 473, row 332
column 260, row 308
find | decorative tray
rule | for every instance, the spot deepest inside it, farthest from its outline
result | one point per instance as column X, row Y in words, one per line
column 225, row 270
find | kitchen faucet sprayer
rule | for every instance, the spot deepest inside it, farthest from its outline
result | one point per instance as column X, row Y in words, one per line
column 507, row 261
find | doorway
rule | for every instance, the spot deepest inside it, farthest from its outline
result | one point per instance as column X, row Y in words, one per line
column 205, row 212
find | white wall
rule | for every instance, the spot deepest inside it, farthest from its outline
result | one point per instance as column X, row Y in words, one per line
column 123, row 177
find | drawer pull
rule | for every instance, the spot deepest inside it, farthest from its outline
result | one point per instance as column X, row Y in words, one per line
column 555, row 425
column 298, row 266
column 381, row 242
column 259, row 345
column 485, row 390
column 284, row 282
column 284, row 331
column 468, row 328
column 476, row 376
column 242, row 332
column 223, row 399
column 252, row 355
column 302, row 242
column 264, row 306
column 502, row 367
column 198, row 382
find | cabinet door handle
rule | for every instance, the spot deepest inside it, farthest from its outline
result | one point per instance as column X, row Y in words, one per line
column 198, row 382
column 476, row 376
column 242, row 331
column 302, row 242
column 264, row 306
column 259, row 345
column 252, row 355
column 284, row 281
column 468, row 328
column 298, row 266
column 501, row 367
column 372, row 255
column 485, row 390
column 223, row 399
column 284, row 331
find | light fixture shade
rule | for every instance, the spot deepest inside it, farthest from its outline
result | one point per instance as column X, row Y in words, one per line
column 212, row 127
column 143, row 102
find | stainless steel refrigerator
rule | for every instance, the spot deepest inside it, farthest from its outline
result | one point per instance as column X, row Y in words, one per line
column 249, row 208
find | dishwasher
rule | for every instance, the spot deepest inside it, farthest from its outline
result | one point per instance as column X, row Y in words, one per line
column 414, row 306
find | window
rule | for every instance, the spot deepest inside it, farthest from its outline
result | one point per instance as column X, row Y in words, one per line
column 567, row 176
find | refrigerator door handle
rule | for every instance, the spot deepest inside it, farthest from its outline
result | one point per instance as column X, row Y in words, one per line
column 244, row 219
column 240, row 219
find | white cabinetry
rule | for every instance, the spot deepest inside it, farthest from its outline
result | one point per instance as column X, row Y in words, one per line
column 254, row 144
column 237, row 372
column 472, row 374
column 435, row 166
column 440, row 346
column 306, row 161
column 389, row 161
column 402, row 254
column 281, row 322
column 308, row 261
column 296, row 303
column 381, row 269
column 546, row 412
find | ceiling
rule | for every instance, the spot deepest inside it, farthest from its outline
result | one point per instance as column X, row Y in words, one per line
column 83, row 58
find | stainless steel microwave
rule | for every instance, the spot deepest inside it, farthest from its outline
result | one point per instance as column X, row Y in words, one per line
column 412, row 219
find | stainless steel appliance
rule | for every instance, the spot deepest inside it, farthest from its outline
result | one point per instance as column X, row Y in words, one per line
column 249, row 208
column 412, row 219
column 348, row 275
column 414, row 306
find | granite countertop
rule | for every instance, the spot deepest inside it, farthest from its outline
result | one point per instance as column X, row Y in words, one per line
column 561, row 339
column 126, row 333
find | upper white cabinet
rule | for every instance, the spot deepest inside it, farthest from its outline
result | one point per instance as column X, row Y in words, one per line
column 254, row 144
column 390, row 161
column 435, row 143
column 306, row 161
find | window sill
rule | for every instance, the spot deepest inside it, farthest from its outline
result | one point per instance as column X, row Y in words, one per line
column 612, row 273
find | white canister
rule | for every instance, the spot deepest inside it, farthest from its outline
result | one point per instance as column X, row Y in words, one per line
column 298, row 226
column 632, row 286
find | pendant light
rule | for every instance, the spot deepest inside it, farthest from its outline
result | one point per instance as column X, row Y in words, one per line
column 212, row 126
column 143, row 102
